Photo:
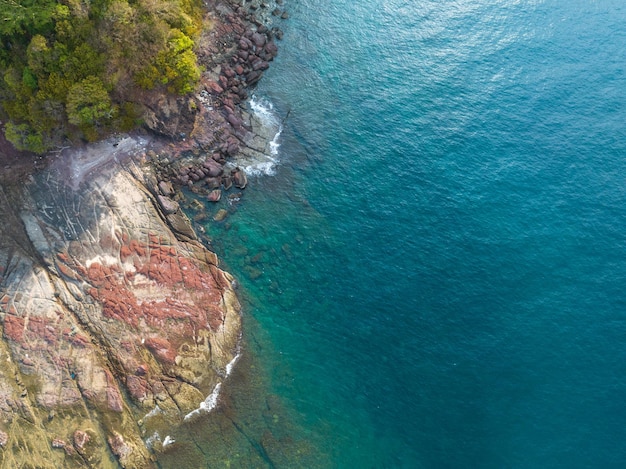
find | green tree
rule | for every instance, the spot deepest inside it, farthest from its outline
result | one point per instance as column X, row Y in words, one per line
column 19, row 18
column 72, row 67
column 88, row 103
column 178, row 63
column 38, row 53
column 24, row 138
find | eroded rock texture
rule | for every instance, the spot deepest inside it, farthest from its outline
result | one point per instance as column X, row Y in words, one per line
column 116, row 322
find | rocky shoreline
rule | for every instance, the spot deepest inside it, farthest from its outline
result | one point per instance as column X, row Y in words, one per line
column 214, row 126
column 118, row 324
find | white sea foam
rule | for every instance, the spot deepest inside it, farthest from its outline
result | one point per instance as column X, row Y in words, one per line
column 266, row 168
column 264, row 110
column 153, row 439
column 208, row 404
column 275, row 143
column 156, row 411
column 231, row 365
column 265, row 161
column 211, row 400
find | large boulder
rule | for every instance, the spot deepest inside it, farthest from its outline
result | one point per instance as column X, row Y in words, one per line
column 171, row 116
column 213, row 168
column 239, row 178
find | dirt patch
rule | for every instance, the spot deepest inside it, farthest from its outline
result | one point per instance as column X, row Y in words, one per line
column 15, row 165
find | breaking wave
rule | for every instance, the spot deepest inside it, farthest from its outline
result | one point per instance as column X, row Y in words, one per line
column 208, row 404
column 269, row 127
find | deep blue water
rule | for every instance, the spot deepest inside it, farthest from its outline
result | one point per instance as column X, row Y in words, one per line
column 436, row 269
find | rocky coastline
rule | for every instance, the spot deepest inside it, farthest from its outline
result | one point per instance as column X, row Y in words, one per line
column 215, row 125
column 118, row 324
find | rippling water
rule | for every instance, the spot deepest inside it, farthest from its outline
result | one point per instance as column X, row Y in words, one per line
column 434, row 275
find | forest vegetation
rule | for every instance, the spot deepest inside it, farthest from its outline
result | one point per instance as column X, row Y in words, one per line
column 75, row 68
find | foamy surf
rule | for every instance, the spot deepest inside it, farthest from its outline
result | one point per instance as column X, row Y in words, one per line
column 154, row 412
column 264, row 110
column 231, row 365
column 155, row 441
column 207, row 405
column 263, row 153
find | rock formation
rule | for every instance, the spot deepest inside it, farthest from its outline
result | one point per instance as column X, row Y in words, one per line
column 214, row 125
column 117, row 323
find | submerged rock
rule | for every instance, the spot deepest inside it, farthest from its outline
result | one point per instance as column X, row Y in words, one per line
column 220, row 215
column 215, row 195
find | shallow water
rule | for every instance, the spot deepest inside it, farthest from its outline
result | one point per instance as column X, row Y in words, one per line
column 433, row 275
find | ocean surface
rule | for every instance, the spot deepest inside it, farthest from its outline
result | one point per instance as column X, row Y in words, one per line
column 433, row 261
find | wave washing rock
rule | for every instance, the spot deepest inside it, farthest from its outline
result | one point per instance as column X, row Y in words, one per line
column 116, row 321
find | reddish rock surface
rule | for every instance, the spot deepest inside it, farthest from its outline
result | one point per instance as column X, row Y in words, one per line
column 115, row 314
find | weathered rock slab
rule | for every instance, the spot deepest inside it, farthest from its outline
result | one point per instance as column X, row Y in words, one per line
column 107, row 313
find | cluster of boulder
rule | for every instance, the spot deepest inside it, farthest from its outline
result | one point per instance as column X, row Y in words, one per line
column 211, row 173
column 245, row 68
column 221, row 129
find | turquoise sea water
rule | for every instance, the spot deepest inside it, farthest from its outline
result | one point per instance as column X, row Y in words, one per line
column 434, row 274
